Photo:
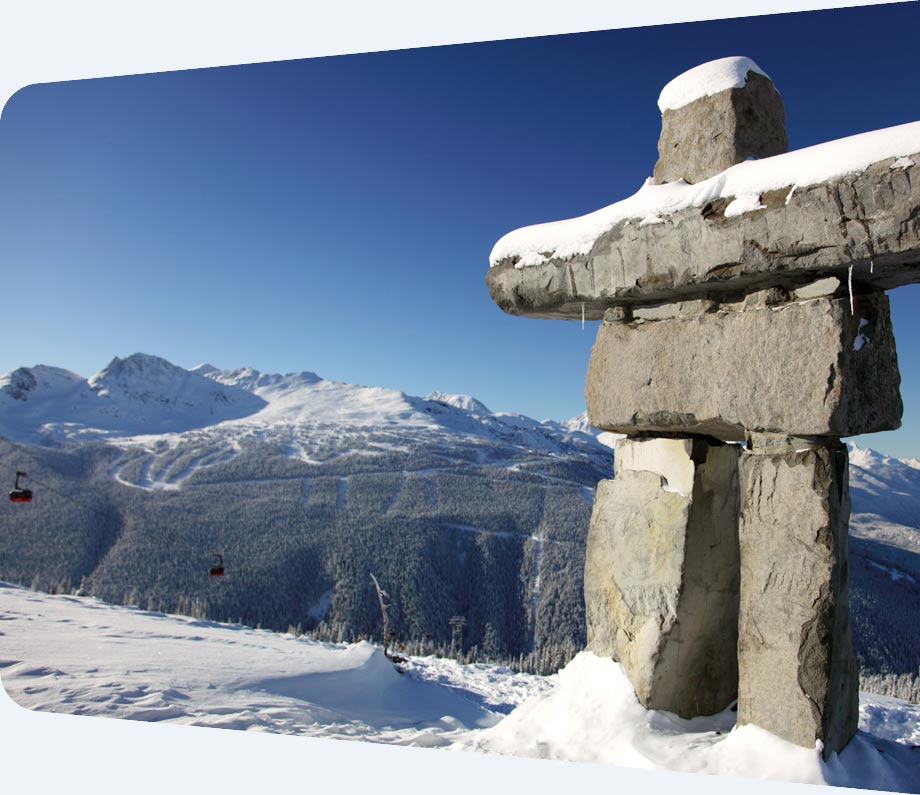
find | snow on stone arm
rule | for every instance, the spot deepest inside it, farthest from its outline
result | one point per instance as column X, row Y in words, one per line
column 561, row 240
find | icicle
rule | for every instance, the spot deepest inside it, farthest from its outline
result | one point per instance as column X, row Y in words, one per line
column 850, row 286
column 871, row 266
column 582, row 315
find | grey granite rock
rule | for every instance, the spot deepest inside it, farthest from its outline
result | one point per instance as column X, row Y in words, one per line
column 661, row 572
column 710, row 134
column 798, row 675
column 799, row 369
column 871, row 219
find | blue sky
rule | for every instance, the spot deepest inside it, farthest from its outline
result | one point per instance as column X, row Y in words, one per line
column 336, row 214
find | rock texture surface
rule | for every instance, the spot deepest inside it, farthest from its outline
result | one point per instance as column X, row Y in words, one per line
column 797, row 671
column 801, row 235
column 799, row 368
column 710, row 134
column 661, row 572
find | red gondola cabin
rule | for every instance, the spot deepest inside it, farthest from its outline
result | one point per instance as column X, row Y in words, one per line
column 19, row 494
column 218, row 569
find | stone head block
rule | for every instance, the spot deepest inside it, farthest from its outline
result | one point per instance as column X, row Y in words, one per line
column 801, row 368
column 706, row 136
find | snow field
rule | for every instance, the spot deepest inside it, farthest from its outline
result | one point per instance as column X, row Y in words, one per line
column 81, row 656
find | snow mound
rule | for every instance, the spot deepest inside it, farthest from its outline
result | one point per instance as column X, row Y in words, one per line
column 745, row 203
column 705, row 80
column 592, row 715
column 366, row 687
column 535, row 245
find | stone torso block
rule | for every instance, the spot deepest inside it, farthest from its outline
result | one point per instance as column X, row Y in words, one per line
column 802, row 368
column 661, row 572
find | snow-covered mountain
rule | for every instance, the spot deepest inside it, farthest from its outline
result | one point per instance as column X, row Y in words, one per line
column 885, row 487
column 147, row 396
column 139, row 394
column 465, row 402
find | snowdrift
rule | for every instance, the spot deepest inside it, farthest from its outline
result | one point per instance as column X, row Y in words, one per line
column 593, row 716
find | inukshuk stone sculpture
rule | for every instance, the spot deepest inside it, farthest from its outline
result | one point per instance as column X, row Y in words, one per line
column 741, row 291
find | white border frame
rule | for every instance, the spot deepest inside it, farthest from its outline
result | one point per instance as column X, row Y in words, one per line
column 53, row 41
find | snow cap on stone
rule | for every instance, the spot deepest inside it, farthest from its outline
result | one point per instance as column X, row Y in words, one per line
column 707, row 79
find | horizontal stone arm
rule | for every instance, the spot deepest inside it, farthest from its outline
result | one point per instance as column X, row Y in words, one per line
column 869, row 220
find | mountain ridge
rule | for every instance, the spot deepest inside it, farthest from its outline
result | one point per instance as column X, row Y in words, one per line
column 147, row 396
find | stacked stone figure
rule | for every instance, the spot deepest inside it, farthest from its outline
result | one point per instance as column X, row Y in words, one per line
column 735, row 353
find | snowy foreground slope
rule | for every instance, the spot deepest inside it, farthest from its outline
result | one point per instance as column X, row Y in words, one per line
column 82, row 656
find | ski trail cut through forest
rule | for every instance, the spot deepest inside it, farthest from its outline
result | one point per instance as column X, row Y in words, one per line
column 432, row 489
column 465, row 528
column 397, row 493
column 537, row 539
column 172, row 480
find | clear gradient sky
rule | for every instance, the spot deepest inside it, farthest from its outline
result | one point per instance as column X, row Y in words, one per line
column 336, row 214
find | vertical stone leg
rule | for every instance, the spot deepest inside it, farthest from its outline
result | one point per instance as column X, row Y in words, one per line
column 797, row 671
column 662, row 572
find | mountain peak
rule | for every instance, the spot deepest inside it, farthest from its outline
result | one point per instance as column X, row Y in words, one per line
column 19, row 383
column 579, row 424
column 252, row 380
column 138, row 366
column 23, row 382
column 464, row 402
